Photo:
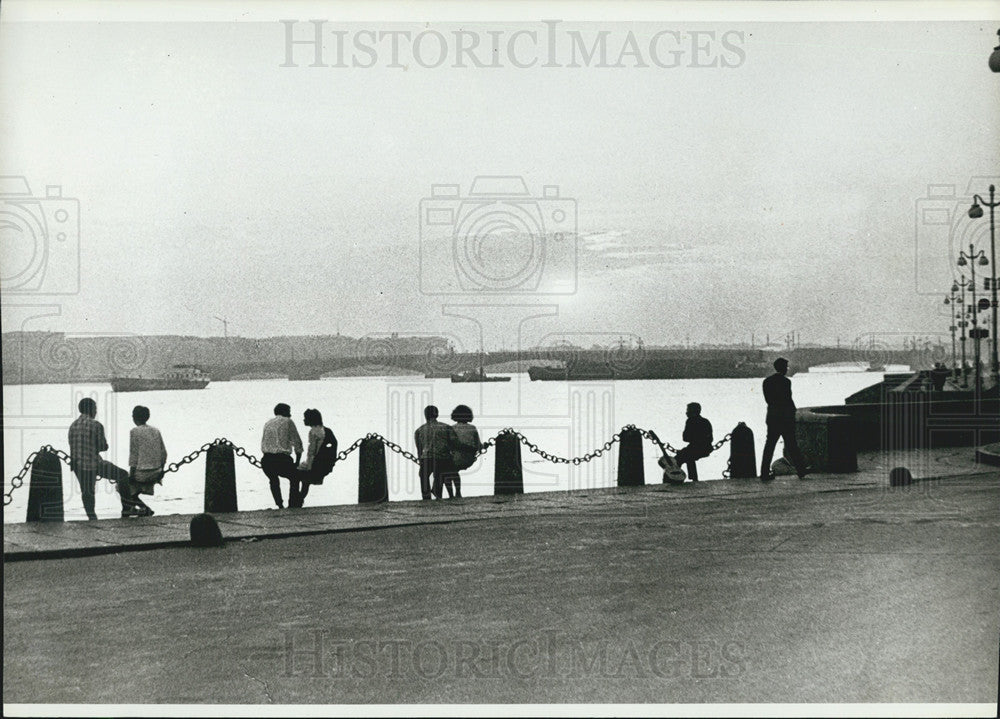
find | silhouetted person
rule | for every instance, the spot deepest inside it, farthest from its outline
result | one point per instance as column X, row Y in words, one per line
column 698, row 435
column 468, row 444
column 780, row 421
column 321, row 455
column 86, row 442
column 280, row 439
column 435, row 442
column 939, row 375
column 146, row 457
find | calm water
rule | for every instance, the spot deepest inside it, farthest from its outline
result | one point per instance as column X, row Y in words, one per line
column 566, row 419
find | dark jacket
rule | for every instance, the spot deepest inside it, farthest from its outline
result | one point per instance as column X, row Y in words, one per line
column 778, row 395
column 698, row 432
column 435, row 440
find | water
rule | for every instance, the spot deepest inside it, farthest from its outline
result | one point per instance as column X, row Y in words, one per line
column 564, row 418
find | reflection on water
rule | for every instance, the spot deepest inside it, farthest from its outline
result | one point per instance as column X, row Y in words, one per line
column 564, row 418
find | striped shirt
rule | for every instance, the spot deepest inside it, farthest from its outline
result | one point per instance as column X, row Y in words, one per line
column 280, row 437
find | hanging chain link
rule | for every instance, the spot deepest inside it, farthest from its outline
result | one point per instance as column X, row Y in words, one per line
column 556, row 459
column 342, row 455
column 174, row 466
column 18, row 479
column 391, row 445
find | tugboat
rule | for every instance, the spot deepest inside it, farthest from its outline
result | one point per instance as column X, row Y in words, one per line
column 477, row 375
column 182, row 376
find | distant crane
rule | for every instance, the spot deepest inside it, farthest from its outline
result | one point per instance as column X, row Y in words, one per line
column 225, row 326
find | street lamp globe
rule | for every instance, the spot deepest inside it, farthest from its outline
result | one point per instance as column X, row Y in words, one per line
column 962, row 262
column 947, row 301
column 954, row 287
column 983, row 260
column 975, row 212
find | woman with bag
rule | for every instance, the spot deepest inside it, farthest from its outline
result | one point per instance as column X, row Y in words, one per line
column 465, row 456
column 321, row 455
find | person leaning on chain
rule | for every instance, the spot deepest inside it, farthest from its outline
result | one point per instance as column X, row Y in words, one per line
column 86, row 442
column 279, row 440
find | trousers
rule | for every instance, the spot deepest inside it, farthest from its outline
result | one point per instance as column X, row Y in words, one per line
column 687, row 457
column 443, row 471
column 87, row 478
column 785, row 430
column 276, row 465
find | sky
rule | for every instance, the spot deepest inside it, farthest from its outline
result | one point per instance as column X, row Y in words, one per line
column 783, row 189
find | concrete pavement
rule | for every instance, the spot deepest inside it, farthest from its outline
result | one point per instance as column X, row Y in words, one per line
column 833, row 589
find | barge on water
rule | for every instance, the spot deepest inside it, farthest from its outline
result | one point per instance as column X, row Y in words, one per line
column 182, row 376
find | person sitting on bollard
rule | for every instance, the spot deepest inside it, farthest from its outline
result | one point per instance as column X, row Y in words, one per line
column 698, row 435
column 321, row 455
column 146, row 457
column 86, row 442
column 469, row 443
column 435, row 442
column 280, row 439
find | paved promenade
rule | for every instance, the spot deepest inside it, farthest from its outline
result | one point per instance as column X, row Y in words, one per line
column 832, row 589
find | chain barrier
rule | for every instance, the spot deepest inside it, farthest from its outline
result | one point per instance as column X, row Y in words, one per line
column 18, row 480
column 391, row 445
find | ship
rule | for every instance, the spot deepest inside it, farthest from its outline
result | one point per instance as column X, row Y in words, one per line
column 182, row 376
column 477, row 376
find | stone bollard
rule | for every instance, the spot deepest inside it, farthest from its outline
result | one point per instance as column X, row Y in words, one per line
column 630, row 470
column 507, row 475
column 220, row 479
column 900, row 477
column 45, row 493
column 205, row 531
column 742, row 455
column 373, row 483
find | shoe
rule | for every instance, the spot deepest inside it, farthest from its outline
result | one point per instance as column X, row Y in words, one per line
column 145, row 512
column 131, row 512
column 769, row 477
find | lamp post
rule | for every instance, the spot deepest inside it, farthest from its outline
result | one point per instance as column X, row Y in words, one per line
column 950, row 300
column 963, row 323
column 975, row 212
column 971, row 259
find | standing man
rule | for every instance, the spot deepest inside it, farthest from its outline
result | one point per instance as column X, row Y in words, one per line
column 698, row 435
column 435, row 442
column 279, row 441
column 780, row 421
column 86, row 442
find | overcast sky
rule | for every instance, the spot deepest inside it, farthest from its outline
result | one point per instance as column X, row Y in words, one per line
column 782, row 189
